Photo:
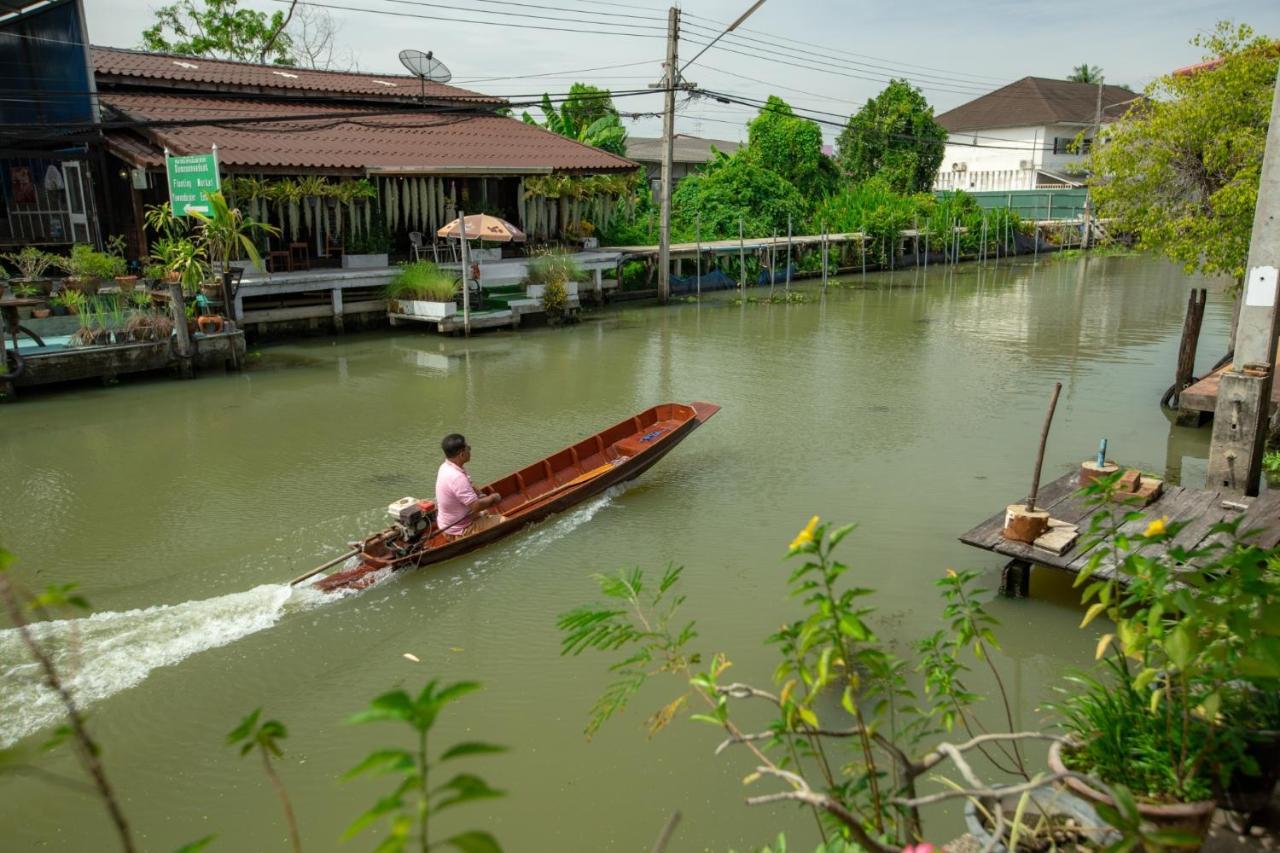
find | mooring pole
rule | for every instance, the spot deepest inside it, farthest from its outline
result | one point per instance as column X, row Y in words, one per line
column 773, row 276
column 787, row 287
column 1242, row 413
column 697, row 270
column 1044, row 438
column 742, row 259
column 862, row 246
column 178, row 308
column 670, row 79
column 824, row 257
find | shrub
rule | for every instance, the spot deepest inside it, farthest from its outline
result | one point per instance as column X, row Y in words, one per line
column 554, row 268
column 422, row 280
column 85, row 263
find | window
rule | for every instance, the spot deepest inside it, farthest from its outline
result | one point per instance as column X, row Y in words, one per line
column 1067, row 145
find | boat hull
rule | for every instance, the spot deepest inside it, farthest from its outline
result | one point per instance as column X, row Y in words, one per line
column 564, row 479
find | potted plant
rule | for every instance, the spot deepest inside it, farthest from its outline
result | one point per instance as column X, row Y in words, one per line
column 32, row 264
column 183, row 260
column 1040, row 819
column 227, row 233
column 422, row 289
column 116, row 248
column 553, row 267
column 367, row 250
column 210, row 324
column 86, row 268
column 68, row 301
column 1171, row 716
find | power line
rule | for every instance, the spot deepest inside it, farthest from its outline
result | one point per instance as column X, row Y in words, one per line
column 567, row 71
column 420, row 16
column 521, row 16
column 851, row 53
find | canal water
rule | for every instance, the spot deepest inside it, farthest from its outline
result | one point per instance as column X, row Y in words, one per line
column 908, row 403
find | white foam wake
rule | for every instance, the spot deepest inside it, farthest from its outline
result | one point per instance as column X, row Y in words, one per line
column 103, row 654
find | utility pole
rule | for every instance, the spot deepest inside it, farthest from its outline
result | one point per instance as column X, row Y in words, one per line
column 1241, row 417
column 1086, row 236
column 670, row 79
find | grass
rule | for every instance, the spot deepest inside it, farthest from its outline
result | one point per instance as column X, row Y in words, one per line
column 422, row 280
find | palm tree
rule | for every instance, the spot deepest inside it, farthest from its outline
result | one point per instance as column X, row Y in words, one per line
column 1086, row 74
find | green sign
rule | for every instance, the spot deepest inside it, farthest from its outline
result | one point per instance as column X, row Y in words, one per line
column 190, row 177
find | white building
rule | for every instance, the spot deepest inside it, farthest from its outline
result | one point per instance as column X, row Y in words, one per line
column 1021, row 137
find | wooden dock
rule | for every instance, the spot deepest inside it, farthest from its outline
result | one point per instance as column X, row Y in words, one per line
column 1202, row 396
column 1199, row 509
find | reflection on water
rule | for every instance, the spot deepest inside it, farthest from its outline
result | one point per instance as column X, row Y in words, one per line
column 910, row 403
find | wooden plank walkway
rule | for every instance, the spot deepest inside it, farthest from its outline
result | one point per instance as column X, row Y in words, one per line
column 1203, row 395
column 1200, row 509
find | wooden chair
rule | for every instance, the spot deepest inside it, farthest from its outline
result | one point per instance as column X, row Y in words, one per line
column 333, row 250
column 278, row 257
column 299, row 256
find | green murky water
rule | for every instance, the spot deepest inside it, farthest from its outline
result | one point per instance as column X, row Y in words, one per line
column 911, row 405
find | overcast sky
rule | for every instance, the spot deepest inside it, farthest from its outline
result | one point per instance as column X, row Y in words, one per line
column 817, row 55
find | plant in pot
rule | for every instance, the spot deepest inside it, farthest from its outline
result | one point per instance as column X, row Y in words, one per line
column 86, row 268
column 124, row 280
column 228, row 234
column 93, row 324
column 1170, row 717
column 184, row 261
column 32, row 264
column 424, row 290
column 68, row 301
column 368, row 248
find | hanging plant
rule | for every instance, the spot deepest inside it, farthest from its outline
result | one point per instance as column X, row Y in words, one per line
column 404, row 204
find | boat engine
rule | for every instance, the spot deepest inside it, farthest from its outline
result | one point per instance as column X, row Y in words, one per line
column 412, row 517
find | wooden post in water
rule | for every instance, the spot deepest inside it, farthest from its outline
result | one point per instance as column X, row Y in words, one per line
column 982, row 252
column 824, row 257
column 177, row 307
column 862, row 246
column 10, row 389
column 773, row 276
column 697, row 270
column 742, row 259
column 1184, row 374
column 787, row 287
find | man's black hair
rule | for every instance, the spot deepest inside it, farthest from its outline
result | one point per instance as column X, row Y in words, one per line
column 453, row 444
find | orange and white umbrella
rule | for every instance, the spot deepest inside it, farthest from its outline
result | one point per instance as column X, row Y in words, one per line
column 482, row 226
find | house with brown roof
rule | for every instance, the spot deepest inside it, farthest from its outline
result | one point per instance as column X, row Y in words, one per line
column 688, row 154
column 1023, row 135
column 429, row 149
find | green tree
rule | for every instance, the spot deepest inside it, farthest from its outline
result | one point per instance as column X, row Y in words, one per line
column 220, row 29
column 894, row 136
column 791, row 147
column 733, row 187
column 586, row 104
column 1086, row 74
column 605, row 132
column 1181, row 169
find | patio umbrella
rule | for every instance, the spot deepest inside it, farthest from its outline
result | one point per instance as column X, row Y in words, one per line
column 481, row 226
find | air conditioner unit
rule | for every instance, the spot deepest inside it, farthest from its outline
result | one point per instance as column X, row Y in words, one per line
column 964, row 167
column 1026, row 164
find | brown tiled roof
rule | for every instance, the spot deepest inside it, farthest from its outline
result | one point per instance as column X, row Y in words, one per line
column 346, row 138
column 114, row 65
column 1034, row 101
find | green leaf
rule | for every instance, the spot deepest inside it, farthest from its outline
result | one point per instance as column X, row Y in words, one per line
column 384, row 761
column 1180, row 645
column 474, row 841
column 196, row 846
column 465, row 787
column 455, row 691
column 840, row 532
column 471, row 748
column 389, row 706
column 388, row 804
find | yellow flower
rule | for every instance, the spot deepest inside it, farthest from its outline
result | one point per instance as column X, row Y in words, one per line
column 805, row 536
column 1156, row 527
column 951, row 573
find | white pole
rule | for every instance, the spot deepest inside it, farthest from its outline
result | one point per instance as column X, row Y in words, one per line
column 787, row 287
column 466, row 289
column 742, row 259
column 824, row 256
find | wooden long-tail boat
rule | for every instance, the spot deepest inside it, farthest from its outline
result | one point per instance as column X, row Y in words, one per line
column 550, row 485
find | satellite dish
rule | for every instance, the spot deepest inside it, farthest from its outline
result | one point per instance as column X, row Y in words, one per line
column 425, row 67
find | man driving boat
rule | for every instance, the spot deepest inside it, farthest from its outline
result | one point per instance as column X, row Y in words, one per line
column 461, row 511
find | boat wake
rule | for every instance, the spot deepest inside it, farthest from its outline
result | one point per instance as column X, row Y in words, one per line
column 106, row 653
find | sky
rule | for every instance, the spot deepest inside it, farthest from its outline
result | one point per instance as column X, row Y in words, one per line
column 822, row 56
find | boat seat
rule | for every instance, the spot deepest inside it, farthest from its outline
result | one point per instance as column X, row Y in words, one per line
column 633, row 445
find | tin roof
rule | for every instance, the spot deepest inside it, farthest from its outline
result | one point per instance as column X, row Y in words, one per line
column 1034, row 101
column 117, row 66
column 288, row 135
column 684, row 148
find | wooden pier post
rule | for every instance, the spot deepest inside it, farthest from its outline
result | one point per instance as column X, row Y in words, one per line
column 773, row 275
column 177, row 307
column 697, row 270
column 787, row 286
column 1185, row 369
column 862, row 246
column 742, row 259
column 466, row 288
column 9, row 389
column 824, row 257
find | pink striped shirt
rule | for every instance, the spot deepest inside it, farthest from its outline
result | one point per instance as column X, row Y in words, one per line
column 454, row 493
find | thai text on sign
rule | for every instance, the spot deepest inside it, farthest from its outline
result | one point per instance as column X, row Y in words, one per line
column 191, row 177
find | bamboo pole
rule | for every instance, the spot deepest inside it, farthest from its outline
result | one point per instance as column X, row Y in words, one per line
column 1044, row 438
column 787, row 286
column 697, row 268
column 742, row 259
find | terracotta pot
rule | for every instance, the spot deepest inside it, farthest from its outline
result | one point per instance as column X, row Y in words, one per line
column 210, row 324
column 126, row 283
column 1193, row 817
column 41, row 313
column 87, row 286
column 191, row 326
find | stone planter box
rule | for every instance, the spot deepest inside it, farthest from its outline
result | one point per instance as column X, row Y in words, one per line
column 535, row 291
column 485, row 254
column 361, row 262
column 429, row 310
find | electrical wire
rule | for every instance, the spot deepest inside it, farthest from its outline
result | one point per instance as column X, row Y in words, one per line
column 521, row 16
column 418, row 15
